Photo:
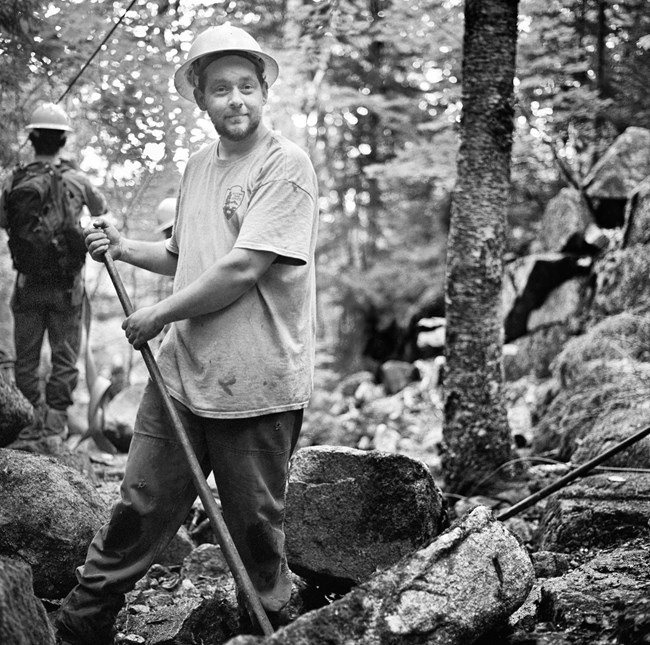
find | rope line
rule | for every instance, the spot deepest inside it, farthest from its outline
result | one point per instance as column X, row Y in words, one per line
column 108, row 35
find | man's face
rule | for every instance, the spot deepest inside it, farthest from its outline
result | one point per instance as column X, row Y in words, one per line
column 232, row 96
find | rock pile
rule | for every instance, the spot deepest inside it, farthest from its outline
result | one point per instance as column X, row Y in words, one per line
column 404, row 579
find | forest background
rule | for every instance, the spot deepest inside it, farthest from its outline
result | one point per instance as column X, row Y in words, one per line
column 373, row 89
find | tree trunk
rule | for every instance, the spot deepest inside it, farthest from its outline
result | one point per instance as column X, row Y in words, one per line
column 476, row 436
column 602, row 142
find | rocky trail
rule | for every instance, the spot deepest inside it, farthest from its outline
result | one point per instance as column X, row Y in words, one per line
column 380, row 552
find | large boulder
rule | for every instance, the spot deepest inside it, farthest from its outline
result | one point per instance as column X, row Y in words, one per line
column 603, row 600
column 564, row 305
column 625, row 164
column 611, row 428
column 598, row 511
column 451, row 592
column 528, row 282
column 622, row 336
column 16, row 412
column 23, row 620
column 621, row 283
column 48, row 517
column 565, row 217
column 594, row 388
column 534, row 353
column 351, row 512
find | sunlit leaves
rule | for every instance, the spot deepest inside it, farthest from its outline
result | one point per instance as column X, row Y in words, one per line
column 579, row 79
column 372, row 88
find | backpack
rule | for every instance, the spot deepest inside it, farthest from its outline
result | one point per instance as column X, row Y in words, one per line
column 45, row 238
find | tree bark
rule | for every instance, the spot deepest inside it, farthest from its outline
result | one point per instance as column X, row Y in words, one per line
column 476, row 436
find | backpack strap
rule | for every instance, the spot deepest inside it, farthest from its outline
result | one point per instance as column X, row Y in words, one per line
column 55, row 176
column 57, row 184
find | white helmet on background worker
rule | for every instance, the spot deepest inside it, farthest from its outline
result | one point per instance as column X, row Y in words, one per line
column 222, row 39
column 49, row 116
column 165, row 214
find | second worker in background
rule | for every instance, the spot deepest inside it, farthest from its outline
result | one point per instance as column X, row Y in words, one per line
column 40, row 206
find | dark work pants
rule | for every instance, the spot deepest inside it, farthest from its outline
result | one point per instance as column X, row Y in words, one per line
column 250, row 461
column 56, row 310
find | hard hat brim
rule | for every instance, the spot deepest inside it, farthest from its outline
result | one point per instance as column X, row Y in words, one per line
column 48, row 126
column 186, row 89
column 165, row 225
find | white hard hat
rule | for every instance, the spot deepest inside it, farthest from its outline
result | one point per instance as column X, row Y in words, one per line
column 49, row 116
column 166, row 213
column 221, row 39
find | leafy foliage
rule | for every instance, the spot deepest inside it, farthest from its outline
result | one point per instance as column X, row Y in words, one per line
column 583, row 72
column 370, row 87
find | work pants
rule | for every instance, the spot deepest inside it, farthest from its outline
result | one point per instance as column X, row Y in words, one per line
column 250, row 461
column 56, row 309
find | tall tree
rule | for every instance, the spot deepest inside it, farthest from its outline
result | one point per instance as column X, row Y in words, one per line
column 476, row 433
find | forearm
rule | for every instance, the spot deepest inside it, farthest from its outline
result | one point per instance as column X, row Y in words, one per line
column 152, row 256
column 217, row 288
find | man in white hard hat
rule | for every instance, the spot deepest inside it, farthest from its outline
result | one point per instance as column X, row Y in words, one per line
column 49, row 287
column 238, row 357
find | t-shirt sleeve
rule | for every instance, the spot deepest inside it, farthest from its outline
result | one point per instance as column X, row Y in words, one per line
column 280, row 214
column 171, row 245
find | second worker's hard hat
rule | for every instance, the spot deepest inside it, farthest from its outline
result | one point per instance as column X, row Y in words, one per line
column 49, row 116
column 221, row 39
column 166, row 213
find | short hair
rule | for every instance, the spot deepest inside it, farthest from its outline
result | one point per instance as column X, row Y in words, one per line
column 47, row 141
column 200, row 65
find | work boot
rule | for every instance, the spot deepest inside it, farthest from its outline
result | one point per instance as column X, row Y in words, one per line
column 34, row 431
column 56, row 424
column 87, row 618
column 47, row 424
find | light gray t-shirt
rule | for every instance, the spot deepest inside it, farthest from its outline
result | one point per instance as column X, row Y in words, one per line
column 256, row 356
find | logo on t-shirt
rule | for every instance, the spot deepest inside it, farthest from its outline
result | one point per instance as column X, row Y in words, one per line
column 234, row 198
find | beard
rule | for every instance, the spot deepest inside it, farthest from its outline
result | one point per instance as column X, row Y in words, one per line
column 237, row 131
